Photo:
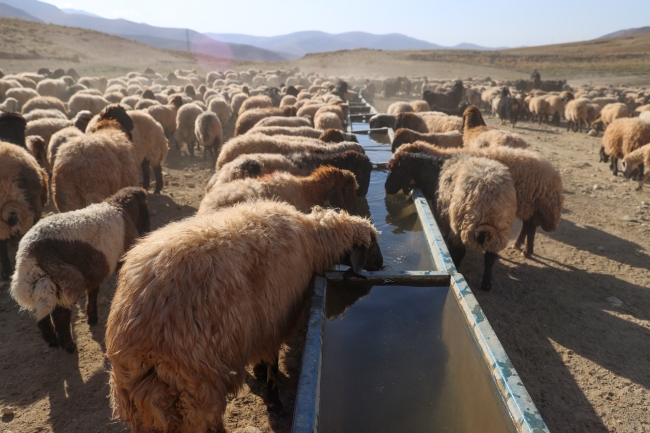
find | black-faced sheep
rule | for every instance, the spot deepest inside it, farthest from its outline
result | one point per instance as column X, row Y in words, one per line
column 474, row 200
column 326, row 186
column 248, row 270
column 259, row 143
column 91, row 167
column 477, row 135
column 69, row 254
column 537, row 183
column 449, row 100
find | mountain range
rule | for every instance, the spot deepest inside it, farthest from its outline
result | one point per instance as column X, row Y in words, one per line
column 627, row 32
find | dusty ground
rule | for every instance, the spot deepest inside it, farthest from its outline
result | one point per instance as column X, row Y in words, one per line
column 582, row 354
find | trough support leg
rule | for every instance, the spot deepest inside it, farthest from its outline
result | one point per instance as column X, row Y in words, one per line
column 157, row 171
column 47, row 331
column 61, row 318
column 5, row 264
column 489, row 261
column 272, row 397
column 91, row 305
column 145, row 174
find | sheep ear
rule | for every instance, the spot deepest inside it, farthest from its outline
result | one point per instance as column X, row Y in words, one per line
column 358, row 257
column 335, row 198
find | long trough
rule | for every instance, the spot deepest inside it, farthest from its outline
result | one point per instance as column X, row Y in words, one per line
column 408, row 349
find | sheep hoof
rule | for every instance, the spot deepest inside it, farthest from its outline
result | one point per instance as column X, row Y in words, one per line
column 259, row 370
column 53, row 344
column 517, row 246
column 275, row 408
column 92, row 320
column 527, row 254
column 486, row 286
column 71, row 348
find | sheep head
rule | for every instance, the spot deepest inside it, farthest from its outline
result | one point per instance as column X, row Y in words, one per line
column 400, row 176
column 118, row 113
column 12, row 128
column 402, row 136
column 382, row 121
column 341, row 184
column 82, row 119
column 337, row 136
column 133, row 203
column 472, row 118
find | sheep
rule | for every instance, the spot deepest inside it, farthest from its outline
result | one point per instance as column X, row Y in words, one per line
column 84, row 102
column 258, row 101
column 537, row 183
column 609, row 113
column 399, row 107
column 288, row 100
column 250, row 118
column 150, row 147
column 44, row 114
column 158, row 386
column 10, row 105
column 428, row 122
column 44, row 103
column 474, row 201
column 443, row 139
column 333, row 135
column 635, row 159
column 336, row 109
column 237, row 100
column 325, row 186
column 576, row 114
column 66, row 255
column 327, row 120
column 382, row 121
column 185, row 123
column 35, row 145
column 12, row 128
column 448, row 100
column 418, row 106
column 645, row 116
column 166, row 115
column 301, row 164
column 99, row 83
column 222, row 109
column 46, row 127
column 301, row 131
column 476, row 134
column 294, row 122
column 80, row 122
column 55, row 87
column 21, row 94
column 622, row 137
column 209, row 133
column 91, row 167
column 259, row 143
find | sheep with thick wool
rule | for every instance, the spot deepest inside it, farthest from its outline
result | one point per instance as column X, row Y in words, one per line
column 477, row 135
column 444, row 139
column 326, row 186
column 185, row 125
column 635, row 159
column 474, row 200
column 231, row 286
column 166, row 115
column 260, row 143
column 44, row 114
column 44, row 103
column 85, row 102
column 222, row 109
column 150, row 145
column 22, row 94
column 289, row 122
column 576, row 113
column 609, row 113
column 300, row 131
column 622, row 137
column 251, row 117
column 257, row 101
column 300, row 164
column 327, row 120
column 79, row 125
column 209, row 133
column 399, row 107
column 23, row 194
column 91, row 167
column 67, row 255
column 426, row 122
column 537, row 183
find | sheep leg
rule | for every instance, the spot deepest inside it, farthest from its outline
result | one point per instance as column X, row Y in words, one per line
column 614, row 166
column 91, row 305
column 61, row 318
column 522, row 236
column 157, row 171
column 489, row 260
column 531, row 228
column 272, row 397
column 639, row 173
column 259, row 370
column 145, row 174
column 47, row 331
column 643, row 180
column 190, row 147
column 4, row 261
column 457, row 253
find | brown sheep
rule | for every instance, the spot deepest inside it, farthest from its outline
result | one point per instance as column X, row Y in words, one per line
column 622, row 137
column 250, row 118
column 477, row 135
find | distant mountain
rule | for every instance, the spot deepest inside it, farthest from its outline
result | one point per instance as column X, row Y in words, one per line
column 627, row 32
column 300, row 43
column 466, row 46
column 79, row 12
column 160, row 37
column 11, row 12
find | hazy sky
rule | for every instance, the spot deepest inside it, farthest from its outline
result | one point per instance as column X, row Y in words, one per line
column 488, row 23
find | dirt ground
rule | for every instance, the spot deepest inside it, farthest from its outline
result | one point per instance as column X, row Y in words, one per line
column 574, row 319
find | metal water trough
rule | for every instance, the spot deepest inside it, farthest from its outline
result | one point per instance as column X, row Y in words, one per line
column 412, row 351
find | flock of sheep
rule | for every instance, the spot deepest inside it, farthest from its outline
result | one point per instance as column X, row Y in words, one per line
column 199, row 299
